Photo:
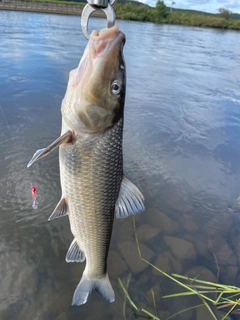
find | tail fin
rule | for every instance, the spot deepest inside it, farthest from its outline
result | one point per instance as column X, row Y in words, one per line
column 86, row 286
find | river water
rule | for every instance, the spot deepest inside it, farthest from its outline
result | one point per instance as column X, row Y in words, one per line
column 181, row 148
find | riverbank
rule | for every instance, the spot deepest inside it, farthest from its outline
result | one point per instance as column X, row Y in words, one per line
column 66, row 8
column 160, row 15
column 126, row 11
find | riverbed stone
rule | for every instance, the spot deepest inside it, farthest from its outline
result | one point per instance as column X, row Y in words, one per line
column 200, row 243
column 188, row 224
column 154, row 292
column 124, row 229
column 220, row 226
column 186, row 315
column 116, row 263
column 153, row 296
column 180, row 305
column 131, row 256
column 163, row 314
column 235, row 240
column 159, row 220
column 222, row 251
column 146, row 232
column 62, row 316
column 228, row 275
column 202, row 313
column 201, row 273
column 180, row 248
column 167, row 263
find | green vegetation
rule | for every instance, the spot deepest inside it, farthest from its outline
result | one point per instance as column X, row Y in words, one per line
column 161, row 14
column 133, row 10
column 224, row 13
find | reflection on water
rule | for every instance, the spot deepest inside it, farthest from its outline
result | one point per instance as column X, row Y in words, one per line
column 181, row 147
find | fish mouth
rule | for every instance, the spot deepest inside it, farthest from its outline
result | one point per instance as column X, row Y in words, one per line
column 99, row 46
column 101, row 42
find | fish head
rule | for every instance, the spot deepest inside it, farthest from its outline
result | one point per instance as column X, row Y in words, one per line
column 94, row 100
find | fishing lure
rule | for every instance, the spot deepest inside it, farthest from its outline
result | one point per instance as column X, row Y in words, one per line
column 34, row 197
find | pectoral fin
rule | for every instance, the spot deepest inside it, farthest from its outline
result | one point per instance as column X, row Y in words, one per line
column 39, row 154
column 60, row 210
column 130, row 200
column 74, row 254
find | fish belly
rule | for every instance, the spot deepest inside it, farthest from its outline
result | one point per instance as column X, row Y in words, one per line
column 91, row 169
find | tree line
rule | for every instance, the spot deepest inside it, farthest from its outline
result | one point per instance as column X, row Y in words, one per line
column 161, row 14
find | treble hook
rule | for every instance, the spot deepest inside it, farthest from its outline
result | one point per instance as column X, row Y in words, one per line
column 94, row 5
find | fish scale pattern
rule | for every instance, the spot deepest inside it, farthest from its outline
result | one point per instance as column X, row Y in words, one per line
column 93, row 172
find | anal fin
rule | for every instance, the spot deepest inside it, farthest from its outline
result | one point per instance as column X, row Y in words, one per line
column 39, row 154
column 74, row 254
column 60, row 210
column 130, row 200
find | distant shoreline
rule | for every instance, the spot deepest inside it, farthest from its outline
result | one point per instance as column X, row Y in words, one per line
column 126, row 11
column 40, row 7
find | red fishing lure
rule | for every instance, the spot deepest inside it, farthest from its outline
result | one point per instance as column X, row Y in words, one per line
column 34, row 197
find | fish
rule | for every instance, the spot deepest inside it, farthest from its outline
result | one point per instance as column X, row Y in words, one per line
column 94, row 187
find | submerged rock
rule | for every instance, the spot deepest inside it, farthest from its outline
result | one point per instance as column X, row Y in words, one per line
column 228, row 275
column 146, row 232
column 222, row 251
column 116, row 264
column 157, row 219
column 188, row 224
column 202, row 313
column 153, row 297
column 131, row 256
column 181, row 249
column 201, row 273
column 123, row 230
column 200, row 243
column 167, row 263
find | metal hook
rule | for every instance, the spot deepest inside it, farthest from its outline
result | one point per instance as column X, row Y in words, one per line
column 89, row 9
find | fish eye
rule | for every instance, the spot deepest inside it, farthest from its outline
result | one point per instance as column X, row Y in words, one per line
column 116, row 87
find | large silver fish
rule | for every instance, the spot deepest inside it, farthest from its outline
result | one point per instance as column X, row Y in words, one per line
column 90, row 156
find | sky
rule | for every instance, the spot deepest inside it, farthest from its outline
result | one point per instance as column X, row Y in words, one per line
column 203, row 5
